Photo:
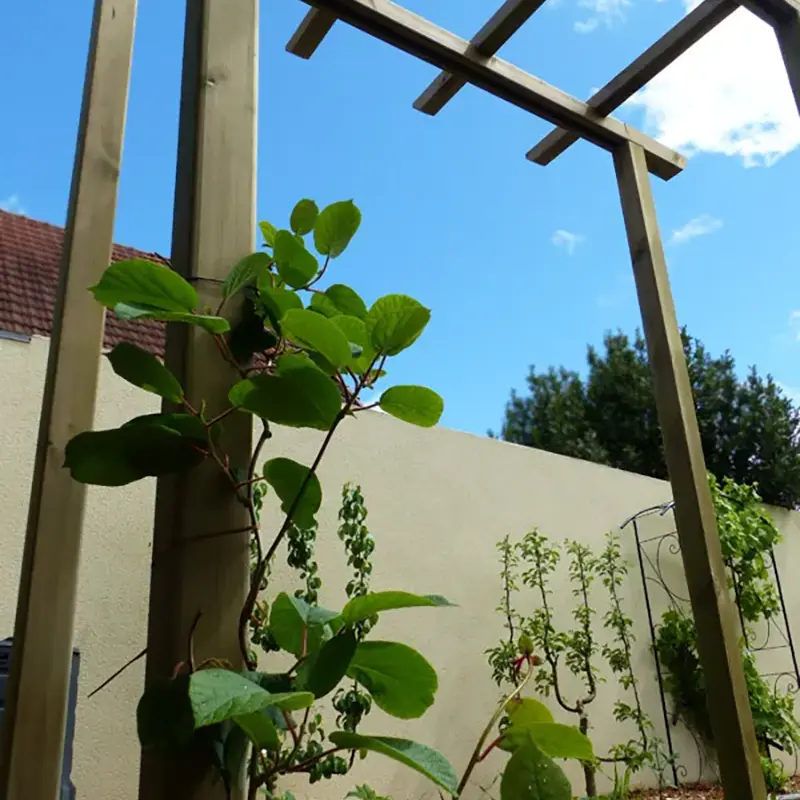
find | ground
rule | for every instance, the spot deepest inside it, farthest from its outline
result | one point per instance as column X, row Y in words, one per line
column 701, row 791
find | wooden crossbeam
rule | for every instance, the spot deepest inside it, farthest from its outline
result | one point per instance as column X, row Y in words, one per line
column 417, row 36
column 788, row 34
column 504, row 23
column 38, row 687
column 310, row 33
column 660, row 55
column 773, row 12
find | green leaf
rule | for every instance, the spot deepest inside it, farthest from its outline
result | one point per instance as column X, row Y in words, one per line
column 415, row 404
column 395, row 322
column 277, row 301
column 249, row 336
column 526, row 711
column 355, row 330
column 322, row 304
column 164, row 718
column 425, row 760
column 531, row 775
column 141, row 282
column 144, row 370
column 303, row 217
column 400, row 680
column 247, row 271
column 214, row 325
column 298, row 628
column 324, row 669
column 318, row 333
column 346, row 300
column 335, row 227
column 303, row 397
column 367, row 605
column 287, row 477
column 268, row 231
column 555, row 740
column 259, row 729
column 295, row 264
column 148, row 446
column 217, row 695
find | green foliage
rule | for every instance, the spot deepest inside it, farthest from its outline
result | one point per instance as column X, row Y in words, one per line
column 748, row 427
column 303, row 357
column 364, row 792
column 747, row 535
column 531, row 775
column 774, row 774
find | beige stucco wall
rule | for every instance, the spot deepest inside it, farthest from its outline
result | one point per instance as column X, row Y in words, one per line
column 438, row 502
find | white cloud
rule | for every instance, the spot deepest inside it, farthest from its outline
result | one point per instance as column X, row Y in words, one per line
column 605, row 11
column 698, row 226
column 729, row 94
column 569, row 241
column 11, row 203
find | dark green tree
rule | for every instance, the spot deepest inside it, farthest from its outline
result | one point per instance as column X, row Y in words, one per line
column 749, row 427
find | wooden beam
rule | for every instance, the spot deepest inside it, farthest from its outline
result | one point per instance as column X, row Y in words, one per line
column 37, row 696
column 213, row 227
column 415, row 35
column 718, row 630
column 504, row 23
column 773, row 12
column 788, row 35
column 639, row 72
column 310, row 33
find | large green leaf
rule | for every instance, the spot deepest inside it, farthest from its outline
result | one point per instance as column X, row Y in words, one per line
column 367, row 605
column 247, row 271
column 164, row 718
column 395, row 322
column 415, row 404
column 400, row 680
column 335, row 227
column 303, row 217
column 346, row 300
column 144, row 370
column 277, row 300
column 220, row 694
column 151, row 446
column 260, row 729
column 425, row 760
column 320, row 334
column 268, row 231
column 141, row 282
column 355, row 330
column 212, row 324
column 530, row 720
column 295, row 264
column 297, row 627
column 532, row 775
column 302, row 397
column 287, row 477
column 322, row 672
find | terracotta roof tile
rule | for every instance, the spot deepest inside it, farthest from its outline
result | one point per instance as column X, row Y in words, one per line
column 30, row 257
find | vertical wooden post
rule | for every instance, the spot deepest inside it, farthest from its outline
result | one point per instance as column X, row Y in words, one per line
column 714, row 612
column 213, row 227
column 788, row 35
column 33, row 730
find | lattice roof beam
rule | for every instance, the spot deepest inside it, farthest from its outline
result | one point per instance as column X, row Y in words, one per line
column 667, row 49
column 773, row 12
column 504, row 23
column 419, row 37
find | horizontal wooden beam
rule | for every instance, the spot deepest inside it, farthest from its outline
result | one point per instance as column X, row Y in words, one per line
column 773, row 12
column 419, row 37
column 667, row 49
column 504, row 23
column 310, row 33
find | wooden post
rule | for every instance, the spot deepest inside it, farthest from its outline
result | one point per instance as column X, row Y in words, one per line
column 36, row 702
column 788, row 35
column 718, row 629
column 213, row 227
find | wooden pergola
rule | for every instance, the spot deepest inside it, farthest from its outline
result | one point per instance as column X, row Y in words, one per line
column 214, row 226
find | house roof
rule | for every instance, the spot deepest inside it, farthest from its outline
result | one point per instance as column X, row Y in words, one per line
column 30, row 259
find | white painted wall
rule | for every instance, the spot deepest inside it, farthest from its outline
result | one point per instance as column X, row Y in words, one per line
column 438, row 500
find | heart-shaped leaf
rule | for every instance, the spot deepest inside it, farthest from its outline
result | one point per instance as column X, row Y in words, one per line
column 144, row 370
column 415, row 404
column 395, row 322
column 335, row 227
column 287, row 477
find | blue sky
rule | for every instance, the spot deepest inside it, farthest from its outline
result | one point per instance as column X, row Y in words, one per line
column 520, row 264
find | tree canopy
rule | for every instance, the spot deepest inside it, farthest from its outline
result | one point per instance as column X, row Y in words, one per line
column 749, row 427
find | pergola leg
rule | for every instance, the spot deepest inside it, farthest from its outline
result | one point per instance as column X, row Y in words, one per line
column 788, row 35
column 213, row 227
column 36, row 702
column 718, row 629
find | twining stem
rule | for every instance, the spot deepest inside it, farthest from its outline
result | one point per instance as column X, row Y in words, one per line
column 475, row 758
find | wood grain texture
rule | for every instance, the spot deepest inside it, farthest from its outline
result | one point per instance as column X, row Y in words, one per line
column 502, row 25
column 37, row 695
column 639, row 72
column 421, row 38
column 213, row 227
column 715, row 615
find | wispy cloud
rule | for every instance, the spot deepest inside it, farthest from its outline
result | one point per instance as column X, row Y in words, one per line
column 11, row 203
column 566, row 240
column 698, row 226
column 729, row 94
column 606, row 11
